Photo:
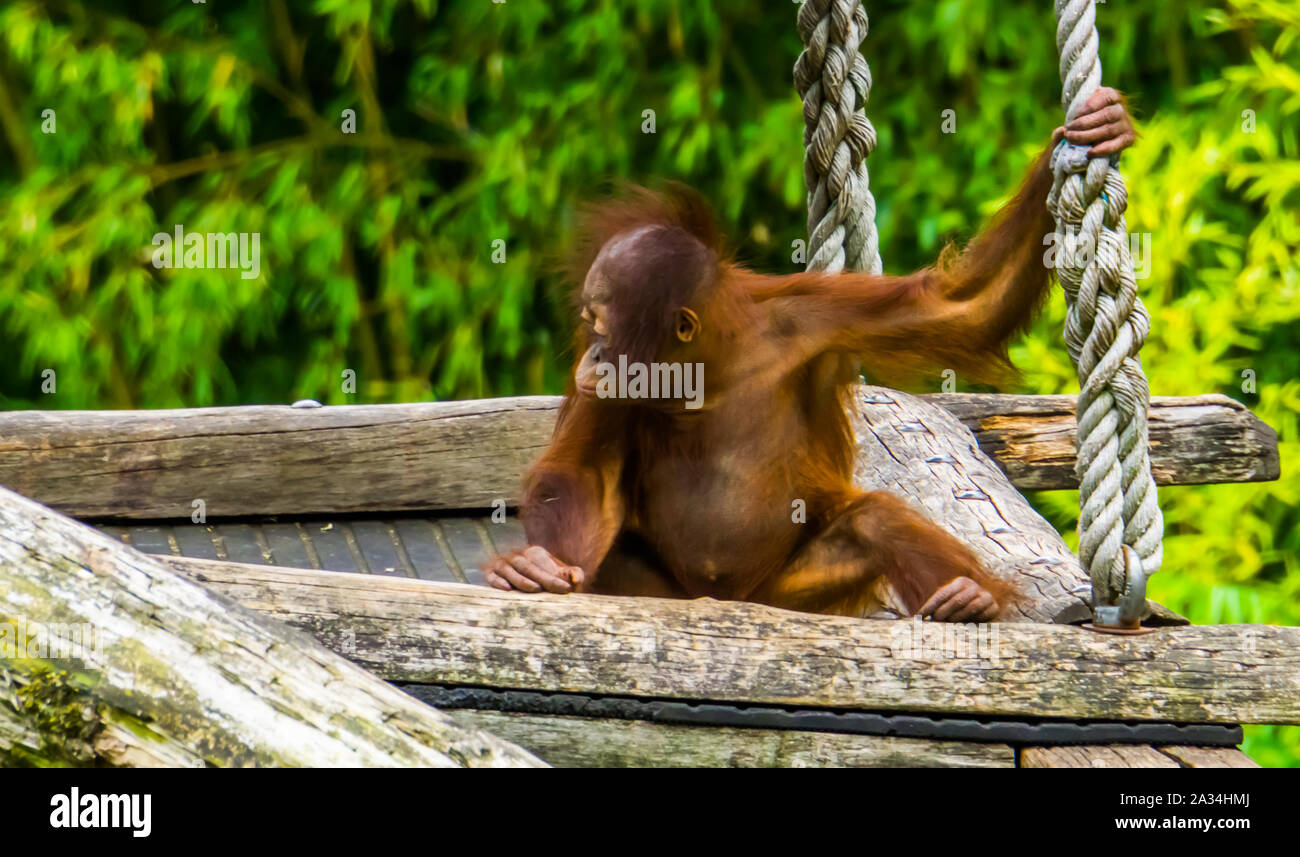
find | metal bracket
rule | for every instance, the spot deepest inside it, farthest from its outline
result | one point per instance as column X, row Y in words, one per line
column 1126, row 616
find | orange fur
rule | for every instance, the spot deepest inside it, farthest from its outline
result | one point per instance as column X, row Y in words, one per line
column 647, row 498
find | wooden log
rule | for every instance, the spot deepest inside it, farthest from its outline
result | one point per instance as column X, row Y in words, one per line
column 1209, row 757
column 413, row 630
column 273, row 460
column 578, row 742
column 1195, row 440
column 919, row 450
column 1115, row 756
column 108, row 657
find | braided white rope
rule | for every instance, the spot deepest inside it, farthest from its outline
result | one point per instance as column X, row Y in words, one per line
column 834, row 81
column 1105, row 327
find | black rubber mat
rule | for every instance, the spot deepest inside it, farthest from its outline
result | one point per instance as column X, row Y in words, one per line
column 825, row 720
column 449, row 548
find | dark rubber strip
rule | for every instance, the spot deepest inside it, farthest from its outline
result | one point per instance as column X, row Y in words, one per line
column 824, row 720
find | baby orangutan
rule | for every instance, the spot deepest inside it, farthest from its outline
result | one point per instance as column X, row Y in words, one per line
column 680, row 497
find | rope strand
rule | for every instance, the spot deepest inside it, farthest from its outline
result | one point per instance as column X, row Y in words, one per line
column 1105, row 327
column 834, row 81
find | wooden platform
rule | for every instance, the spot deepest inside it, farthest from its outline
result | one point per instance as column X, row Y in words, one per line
column 366, row 526
column 449, row 549
column 416, row 631
column 702, row 649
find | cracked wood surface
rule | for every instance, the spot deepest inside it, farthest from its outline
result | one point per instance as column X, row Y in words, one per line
column 419, row 631
column 276, row 460
column 269, row 460
column 1115, row 756
column 583, row 742
column 1195, row 440
column 920, row 451
column 1134, row 756
column 1209, row 757
column 175, row 674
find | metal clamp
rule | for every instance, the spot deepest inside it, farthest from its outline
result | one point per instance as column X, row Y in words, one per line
column 1126, row 616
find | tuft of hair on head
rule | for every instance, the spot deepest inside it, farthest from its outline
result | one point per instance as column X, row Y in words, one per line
column 677, row 250
column 632, row 206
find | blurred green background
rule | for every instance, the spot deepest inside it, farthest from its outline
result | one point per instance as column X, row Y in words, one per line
column 479, row 122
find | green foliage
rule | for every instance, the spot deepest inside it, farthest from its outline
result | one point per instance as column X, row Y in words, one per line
column 479, row 122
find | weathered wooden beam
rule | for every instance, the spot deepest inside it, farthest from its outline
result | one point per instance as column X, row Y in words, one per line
column 1117, row 756
column 411, row 630
column 1195, row 440
column 1209, row 757
column 272, row 460
column 580, row 742
column 1134, row 756
column 109, row 657
column 916, row 449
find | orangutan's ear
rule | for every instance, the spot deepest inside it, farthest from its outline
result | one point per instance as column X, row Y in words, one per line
column 688, row 324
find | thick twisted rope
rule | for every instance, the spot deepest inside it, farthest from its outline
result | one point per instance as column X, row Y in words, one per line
column 1105, row 327
column 834, row 81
